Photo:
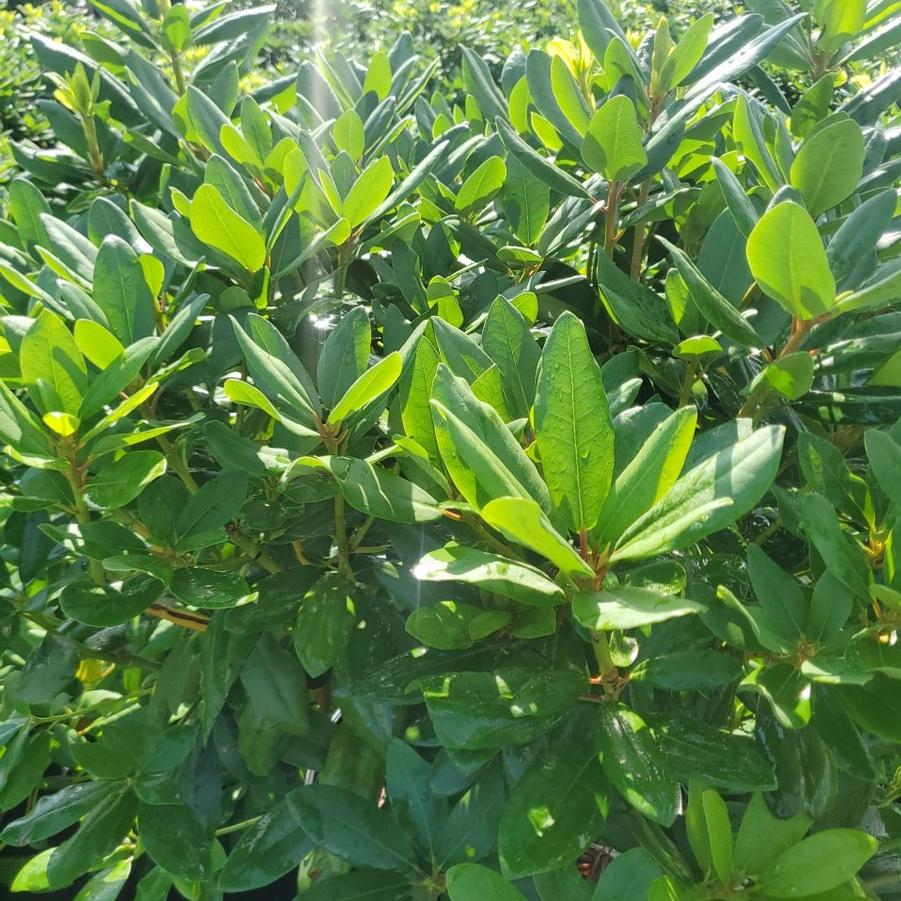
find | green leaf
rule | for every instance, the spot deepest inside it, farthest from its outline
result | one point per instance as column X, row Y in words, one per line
column 573, row 425
column 650, row 475
column 217, row 224
column 451, row 626
column 214, row 504
column 118, row 482
column 348, row 135
column 521, row 520
column 859, row 233
column 788, row 260
column 486, row 710
column 613, row 142
column 844, row 560
column 408, row 784
column 628, row 876
column 26, row 769
column 371, row 385
column 818, row 863
column 696, row 752
column 710, row 303
column 355, row 829
column 276, row 370
column 103, row 605
column 626, row 607
column 380, row 493
column 710, row 832
column 55, row 812
column 478, row 82
column 325, row 620
column 553, row 176
column 507, row 340
column 687, row 53
column 473, row 882
column 598, row 26
column 709, row 497
column 266, row 851
column 208, row 588
column 779, row 594
column 99, row 834
column 555, row 808
column 762, row 837
column 121, row 291
column 482, row 457
column 344, row 356
column 481, row 186
column 275, row 681
column 791, row 376
column 688, row 670
column 489, row 572
column 743, row 211
column 368, row 192
column 176, row 839
column 634, row 765
column 107, row 884
column 52, row 366
column 526, row 201
column 829, row 165
column 840, row 20
column 884, row 454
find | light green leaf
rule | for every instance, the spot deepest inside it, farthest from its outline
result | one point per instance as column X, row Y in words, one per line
column 573, row 425
column 521, row 520
column 489, row 572
column 788, row 260
column 613, row 143
column 710, row 303
column 368, row 387
column 627, row 607
column 120, row 481
column 348, row 135
column 380, row 493
column 687, row 53
column 710, row 497
column 368, row 192
column 217, row 224
column 52, row 366
column 818, row 863
column 481, row 186
column 829, row 165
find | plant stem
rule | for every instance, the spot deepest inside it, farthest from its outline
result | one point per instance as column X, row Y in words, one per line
column 255, row 552
column 602, row 654
column 177, row 464
column 611, row 214
column 345, row 251
column 691, row 370
column 75, row 477
column 638, row 239
column 341, row 540
column 177, row 71
column 237, row 827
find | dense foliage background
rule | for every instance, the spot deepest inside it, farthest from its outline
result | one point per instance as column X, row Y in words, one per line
column 451, row 451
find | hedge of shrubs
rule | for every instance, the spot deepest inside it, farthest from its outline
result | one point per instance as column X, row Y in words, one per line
column 484, row 492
